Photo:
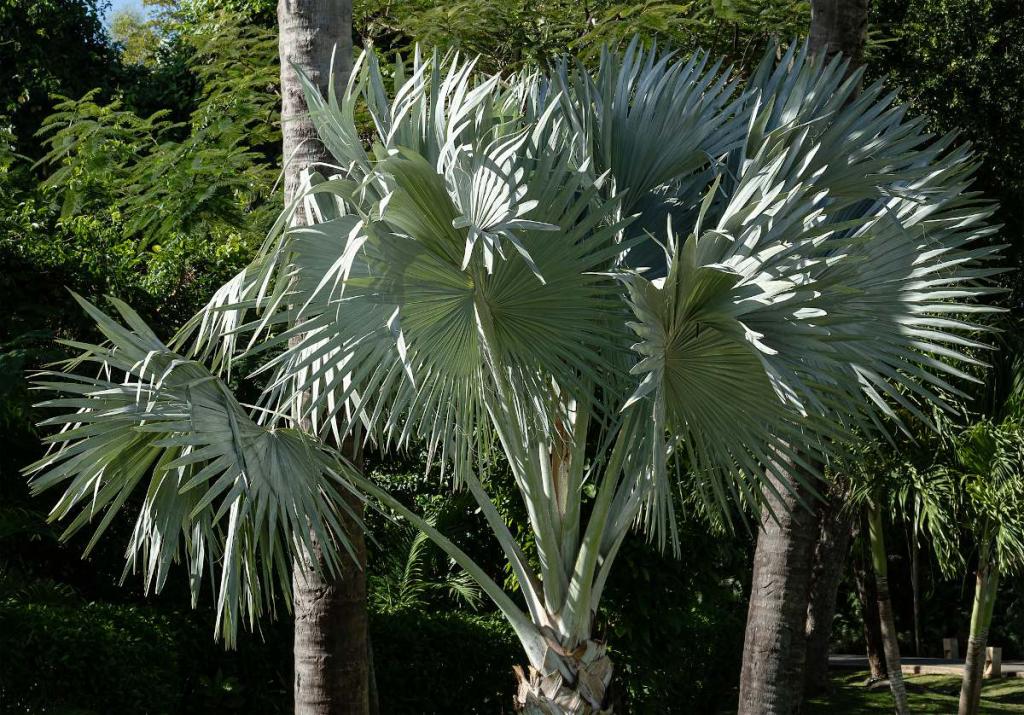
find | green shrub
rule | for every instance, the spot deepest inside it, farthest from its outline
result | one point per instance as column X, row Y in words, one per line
column 126, row 659
column 94, row 657
column 447, row 662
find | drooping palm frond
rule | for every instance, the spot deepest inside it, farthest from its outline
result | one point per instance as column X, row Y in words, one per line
column 219, row 492
column 990, row 469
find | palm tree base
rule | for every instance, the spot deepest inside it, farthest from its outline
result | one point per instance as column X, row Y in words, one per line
column 555, row 694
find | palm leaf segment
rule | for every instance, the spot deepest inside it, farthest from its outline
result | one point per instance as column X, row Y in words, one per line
column 787, row 262
column 226, row 496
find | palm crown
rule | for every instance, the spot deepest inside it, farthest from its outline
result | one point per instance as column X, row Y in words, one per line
column 614, row 275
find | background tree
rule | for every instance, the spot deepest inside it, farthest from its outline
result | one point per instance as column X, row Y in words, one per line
column 984, row 460
column 331, row 622
column 797, row 562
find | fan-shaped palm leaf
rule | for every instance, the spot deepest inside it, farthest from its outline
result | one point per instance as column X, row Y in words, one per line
column 217, row 490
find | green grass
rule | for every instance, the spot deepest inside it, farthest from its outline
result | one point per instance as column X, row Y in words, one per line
column 928, row 694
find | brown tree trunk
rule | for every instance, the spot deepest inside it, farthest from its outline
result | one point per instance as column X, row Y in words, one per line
column 839, row 26
column 835, row 529
column 331, row 628
column 867, row 594
column 915, row 587
column 310, row 32
column 330, row 647
column 771, row 679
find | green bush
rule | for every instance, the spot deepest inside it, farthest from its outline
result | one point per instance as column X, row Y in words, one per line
column 446, row 662
column 127, row 659
column 95, row 657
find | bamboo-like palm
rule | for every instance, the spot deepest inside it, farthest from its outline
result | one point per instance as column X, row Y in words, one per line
column 988, row 468
column 612, row 275
column 991, row 469
column 884, row 484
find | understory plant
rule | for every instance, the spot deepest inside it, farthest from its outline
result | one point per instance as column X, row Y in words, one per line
column 985, row 462
column 614, row 276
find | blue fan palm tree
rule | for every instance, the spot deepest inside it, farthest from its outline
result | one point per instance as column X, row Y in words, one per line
column 609, row 275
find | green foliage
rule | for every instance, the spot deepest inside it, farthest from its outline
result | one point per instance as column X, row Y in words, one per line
column 991, row 462
column 154, row 208
column 215, row 178
column 443, row 663
column 513, row 35
column 985, row 459
column 70, row 656
column 137, row 38
column 43, row 254
column 961, row 63
column 409, row 571
column 90, row 657
column 676, row 623
column 49, row 47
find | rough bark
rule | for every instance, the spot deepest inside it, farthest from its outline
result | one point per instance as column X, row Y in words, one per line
column 581, row 690
column 887, row 619
column 331, row 663
column 867, row 594
column 835, row 528
column 771, row 678
column 986, row 585
column 310, row 32
column 839, row 26
column 330, row 646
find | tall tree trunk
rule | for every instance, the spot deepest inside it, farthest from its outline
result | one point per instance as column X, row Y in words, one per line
column 888, row 622
column 771, row 679
column 835, row 529
column 986, row 585
column 839, row 26
column 331, row 648
column 867, row 594
column 915, row 584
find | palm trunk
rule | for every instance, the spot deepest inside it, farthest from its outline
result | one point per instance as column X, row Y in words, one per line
column 839, row 26
column 830, row 556
column 331, row 649
column 774, row 654
column 915, row 588
column 885, row 612
column 771, row 679
column 579, row 687
column 985, row 588
column 867, row 595
column 330, row 646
